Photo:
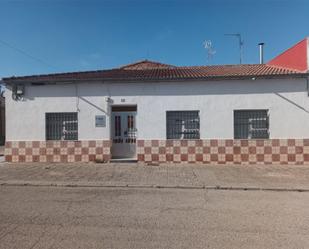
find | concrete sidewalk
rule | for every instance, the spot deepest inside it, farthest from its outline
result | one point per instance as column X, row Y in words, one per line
column 138, row 175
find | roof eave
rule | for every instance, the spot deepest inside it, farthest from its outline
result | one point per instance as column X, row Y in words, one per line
column 131, row 80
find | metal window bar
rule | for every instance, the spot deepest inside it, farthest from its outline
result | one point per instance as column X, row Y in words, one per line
column 251, row 124
column 62, row 126
column 182, row 125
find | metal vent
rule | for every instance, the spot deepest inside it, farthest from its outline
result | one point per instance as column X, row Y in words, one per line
column 182, row 125
column 61, row 126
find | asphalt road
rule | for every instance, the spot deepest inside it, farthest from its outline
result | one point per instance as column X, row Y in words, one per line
column 56, row 217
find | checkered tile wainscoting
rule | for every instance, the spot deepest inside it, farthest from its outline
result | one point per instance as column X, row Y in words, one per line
column 57, row 151
column 272, row 151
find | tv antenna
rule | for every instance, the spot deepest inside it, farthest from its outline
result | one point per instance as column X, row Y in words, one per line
column 241, row 45
column 210, row 51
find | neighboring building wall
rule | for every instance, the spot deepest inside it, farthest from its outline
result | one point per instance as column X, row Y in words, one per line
column 2, row 120
column 295, row 57
column 286, row 100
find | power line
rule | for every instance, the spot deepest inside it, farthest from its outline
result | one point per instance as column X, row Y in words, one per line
column 26, row 54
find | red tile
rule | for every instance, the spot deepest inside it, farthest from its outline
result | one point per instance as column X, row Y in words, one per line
column 213, row 157
column 199, row 157
column 15, row 151
column 8, row 158
column 77, row 144
column 191, row 150
column 229, row 142
column 244, row 143
column 162, row 150
column 275, row 157
column 28, row 151
column 56, row 151
column 155, row 157
column 140, row 143
column 260, row 157
column 154, row 143
column 275, row 142
column 291, row 158
column 283, row 149
column 64, row 158
column 213, row 142
column 8, row 144
column 169, row 143
column 63, row 144
column 49, row 144
column 50, row 158
column 259, row 142
column 42, row 151
column 199, row 143
column 147, row 150
column 236, row 150
column 267, row 149
column 252, row 150
column 299, row 149
column 77, row 158
column 206, row 150
column 22, row 144
column 106, row 158
column 21, row 159
column 35, row 144
column 99, row 150
column 291, row 142
column 184, row 143
column 140, row 157
column 244, row 157
column 221, row 150
column 71, row 151
column 184, row 157
column 176, row 150
column 169, row 158
column 92, row 143
column 36, row 159
column 306, row 142
column 306, row 157
column 229, row 157
column 85, row 151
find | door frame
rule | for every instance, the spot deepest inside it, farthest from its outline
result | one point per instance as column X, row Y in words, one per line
column 123, row 108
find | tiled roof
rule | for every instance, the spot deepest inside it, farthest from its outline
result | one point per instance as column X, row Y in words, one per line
column 154, row 71
column 146, row 64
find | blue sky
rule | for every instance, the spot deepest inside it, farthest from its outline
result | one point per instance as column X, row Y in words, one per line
column 71, row 35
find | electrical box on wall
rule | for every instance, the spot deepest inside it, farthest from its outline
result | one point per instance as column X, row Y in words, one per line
column 100, row 121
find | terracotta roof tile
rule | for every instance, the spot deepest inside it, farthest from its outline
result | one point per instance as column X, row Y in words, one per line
column 154, row 71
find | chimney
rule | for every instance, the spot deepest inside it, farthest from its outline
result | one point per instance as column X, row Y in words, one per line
column 261, row 45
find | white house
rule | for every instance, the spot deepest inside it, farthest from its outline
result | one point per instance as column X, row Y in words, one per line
column 155, row 112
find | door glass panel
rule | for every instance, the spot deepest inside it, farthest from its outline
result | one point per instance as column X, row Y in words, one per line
column 131, row 132
column 117, row 129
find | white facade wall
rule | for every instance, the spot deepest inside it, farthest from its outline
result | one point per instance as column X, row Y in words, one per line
column 286, row 99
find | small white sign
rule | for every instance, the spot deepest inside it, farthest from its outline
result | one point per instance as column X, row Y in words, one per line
column 100, row 121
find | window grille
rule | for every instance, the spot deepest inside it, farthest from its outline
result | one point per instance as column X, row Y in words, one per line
column 182, row 125
column 251, row 124
column 61, row 126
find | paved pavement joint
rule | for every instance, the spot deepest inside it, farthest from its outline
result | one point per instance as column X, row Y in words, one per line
column 221, row 188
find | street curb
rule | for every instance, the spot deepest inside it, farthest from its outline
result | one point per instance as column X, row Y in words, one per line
column 97, row 185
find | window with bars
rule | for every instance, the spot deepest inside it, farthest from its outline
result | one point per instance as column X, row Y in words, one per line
column 61, row 126
column 182, row 125
column 250, row 124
